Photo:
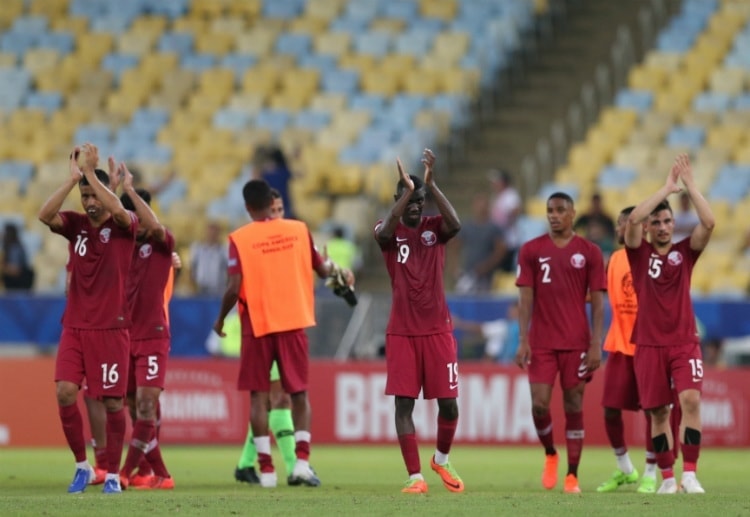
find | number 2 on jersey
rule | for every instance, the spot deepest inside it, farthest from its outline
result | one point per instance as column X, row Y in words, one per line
column 545, row 267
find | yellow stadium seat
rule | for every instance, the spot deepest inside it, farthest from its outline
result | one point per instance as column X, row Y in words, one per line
column 248, row 9
column 725, row 137
column 159, row 62
column 260, row 81
column 667, row 61
column 88, row 102
column 314, row 209
column 438, row 121
column 10, row 11
column 122, row 106
column 207, row 8
column 388, row 25
column 444, row 10
column 38, row 59
column 451, row 46
column 458, row 81
column 8, row 60
column 259, row 41
column 323, row 9
column 397, row 63
column 22, row 123
column 94, row 43
column 334, row 43
column 362, row 62
column 376, row 82
column 345, row 180
column 330, row 102
column 229, row 25
column 152, row 25
column 332, row 139
column 351, row 121
column 421, row 82
column 246, row 102
column 135, row 43
column 504, row 283
column 307, row 25
column 636, row 156
column 178, row 82
column 191, row 24
column 216, row 78
column 52, row 9
column 72, row 24
column 291, row 101
column 217, row 43
column 727, row 80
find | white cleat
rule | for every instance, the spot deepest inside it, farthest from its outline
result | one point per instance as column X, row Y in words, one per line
column 691, row 485
column 668, row 486
column 268, row 479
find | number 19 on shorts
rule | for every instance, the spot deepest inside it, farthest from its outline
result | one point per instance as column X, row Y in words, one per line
column 452, row 375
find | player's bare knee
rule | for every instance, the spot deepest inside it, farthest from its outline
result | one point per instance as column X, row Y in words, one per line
column 690, row 402
column 146, row 407
column 448, row 409
column 66, row 393
column 539, row 409
column 660, row 415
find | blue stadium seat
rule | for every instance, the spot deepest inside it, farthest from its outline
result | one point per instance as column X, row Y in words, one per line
column 341, row 81
column 742, row 102
column 414, row 42
column 359, row 154
column 370, row 102
column 363, row 10
column 170, row 8
column 97, row 134
column 312, row 119
column 47, row 101
column 613, row 176
column 231, row 119
column 686, row 136
column 638, row 100
column 375, row 43
column 732, row 184
column 19, row 170
column 198, row 62
column 17, row 43
column 113, row 24
column 712, row 101
column 273, row 120
column 30, row 25
column 283, row 9
column 406, row 10
column 351, row 25
column 293, row 44
column 160, row 154
column 239, row 64
column 63, row 42
column 179, row 42
column 117, row 63
column 324, row 63
column 88, row 8
column 149, row 116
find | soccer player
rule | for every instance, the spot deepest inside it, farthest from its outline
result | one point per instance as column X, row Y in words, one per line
column 148, row 280
column 556, row 273
column 268, row 257
column 95, row 342
column 667, row 345
column 420, row 350
column 620, row 388
column 280, row 417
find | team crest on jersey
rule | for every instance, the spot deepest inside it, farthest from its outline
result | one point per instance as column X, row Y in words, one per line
column 145, row 251
column 428, row 238
column 577, row 261
column 105, row 234
column 674, row 258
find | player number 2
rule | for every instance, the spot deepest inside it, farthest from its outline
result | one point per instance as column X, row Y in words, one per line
column 546, row 279
column 110, row 375
column 80, row 245
column 403, row 254
column 696, row 365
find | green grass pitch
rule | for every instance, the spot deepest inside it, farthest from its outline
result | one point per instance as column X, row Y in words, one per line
column 367, row 481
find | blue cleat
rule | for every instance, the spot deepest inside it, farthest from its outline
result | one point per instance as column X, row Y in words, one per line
column 81, row 479
column 112, row 486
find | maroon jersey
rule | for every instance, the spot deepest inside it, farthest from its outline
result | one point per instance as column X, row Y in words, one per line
column 561, row 279
column 147, row 281
column 415, row 258
column 99, row 262
column 662, row 284
column 235, row 268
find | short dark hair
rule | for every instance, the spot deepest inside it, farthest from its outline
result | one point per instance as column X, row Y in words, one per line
column 100, row 175
column 257, row 195
column 664, row 205
column 561, row 195
column 418, row 184
column 128, row 203
column 627, row 210
column 275, row 194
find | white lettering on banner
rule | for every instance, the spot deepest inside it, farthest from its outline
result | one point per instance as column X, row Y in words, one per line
column 362, row 411
column 195, row 405
column 489, row 410
column 717, row 414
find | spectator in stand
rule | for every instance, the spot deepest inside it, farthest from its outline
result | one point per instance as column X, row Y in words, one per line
column 685, row 218
column 208, row 262
column 597, row 226
column 501, row 335
column 275, row 171
column 17, row 272
column 481, row 248
column 505, row 210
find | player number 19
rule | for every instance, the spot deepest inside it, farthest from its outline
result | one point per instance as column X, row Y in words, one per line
column 403, row 254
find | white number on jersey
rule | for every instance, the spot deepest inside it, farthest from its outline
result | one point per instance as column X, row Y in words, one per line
column 80, row 246
column 546, row 268
column 403, row 253
column 654, row 267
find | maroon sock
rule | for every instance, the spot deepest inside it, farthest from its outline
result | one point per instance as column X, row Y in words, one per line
column 665, row 461
column 615, row 428
column 115, row 439
column 302, row 450
column 100, row 453
column 143, row 431
column 72, row 425
column 144, row 467
column 543, row 425
column 574, row 439
column 158, row 418
column 446, row 429
column 265, row 462
column 157, row 462
column 410, row 453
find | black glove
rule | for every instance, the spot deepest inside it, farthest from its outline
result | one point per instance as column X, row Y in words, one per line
column 337, row 283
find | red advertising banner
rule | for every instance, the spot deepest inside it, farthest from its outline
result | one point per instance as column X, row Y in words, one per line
column 202, row 406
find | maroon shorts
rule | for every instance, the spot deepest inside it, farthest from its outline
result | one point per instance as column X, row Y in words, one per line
column 429, row 363
column 148, row 363
column 545, row 363
column 660, row 368
column 99, row 356
column 288, row 349
column 620, row 387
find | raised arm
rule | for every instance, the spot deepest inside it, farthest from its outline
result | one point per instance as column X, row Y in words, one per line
column 145, row 215
column 634, row 225
column 451, row 224
column 108, row 198
column 384, row 232
column 49, row 213
column 702, row 232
